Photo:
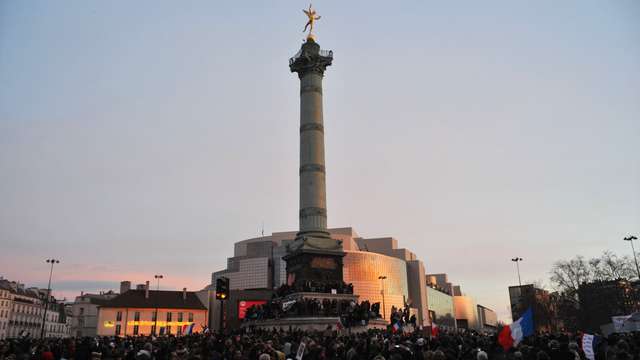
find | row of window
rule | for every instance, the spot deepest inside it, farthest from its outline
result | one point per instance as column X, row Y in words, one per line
column 164, row 330
column 27, row 309
column 136, row 316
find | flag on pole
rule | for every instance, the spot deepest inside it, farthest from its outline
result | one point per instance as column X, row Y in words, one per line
column 512, row 334
column 589, row 343
column 396, row 327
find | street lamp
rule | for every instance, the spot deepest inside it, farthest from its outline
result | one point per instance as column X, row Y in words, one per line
column 46, row 300
column 384, row 310
column 155, row 324
column 635, row 258
column 517, row 260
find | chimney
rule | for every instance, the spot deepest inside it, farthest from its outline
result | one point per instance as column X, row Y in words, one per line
column 81, row 293
column 125, row 286
column 146, row 290
column 184, row 294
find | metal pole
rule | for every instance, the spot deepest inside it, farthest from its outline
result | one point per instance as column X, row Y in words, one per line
column 384, row 309
column 46, row 300
column 517, row 260
column 155, row 324
column 221, row 315
column 635, row 258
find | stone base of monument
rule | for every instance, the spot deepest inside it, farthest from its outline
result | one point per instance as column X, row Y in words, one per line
column 312, row 323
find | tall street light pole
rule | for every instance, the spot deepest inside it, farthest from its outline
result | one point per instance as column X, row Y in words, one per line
column 635, row 258
column 384, row 309
column 155, row 323
column 46, row 300
column 517, row 261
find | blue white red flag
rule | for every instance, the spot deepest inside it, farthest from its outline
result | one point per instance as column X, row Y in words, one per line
column 589, row 343
column 187, row 329
column 513, row 334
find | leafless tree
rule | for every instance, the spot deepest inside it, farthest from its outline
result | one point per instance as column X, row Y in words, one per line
column 567, row 275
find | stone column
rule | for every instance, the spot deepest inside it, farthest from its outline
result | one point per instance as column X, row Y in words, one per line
column 310, row 64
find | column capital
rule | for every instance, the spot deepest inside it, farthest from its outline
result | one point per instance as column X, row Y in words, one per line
column 310, row 59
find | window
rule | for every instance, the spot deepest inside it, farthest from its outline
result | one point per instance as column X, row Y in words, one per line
column 179, row 330
column 169, row 329
column 81, row 311
column 153, row 329
column 190, row 317
column 180, row 317
column 118, row 328
column 136, row 316
column 135, row 329
column 154, row 316
column 169, row 316
column 119, row 316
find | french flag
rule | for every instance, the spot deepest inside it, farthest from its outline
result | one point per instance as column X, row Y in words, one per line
column 187, row 329
column 512, row 334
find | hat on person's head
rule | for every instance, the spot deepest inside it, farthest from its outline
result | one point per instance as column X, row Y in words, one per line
column 481, row 355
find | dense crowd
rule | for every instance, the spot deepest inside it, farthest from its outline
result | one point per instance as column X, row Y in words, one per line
column 350, row 312
column 328, row 344
column 314, row 286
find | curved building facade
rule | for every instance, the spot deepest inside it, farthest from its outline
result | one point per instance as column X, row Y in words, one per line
column 363, row 269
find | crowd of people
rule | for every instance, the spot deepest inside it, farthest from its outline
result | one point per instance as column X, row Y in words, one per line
column 314, row 286
column 321, row 345
column 350, row 312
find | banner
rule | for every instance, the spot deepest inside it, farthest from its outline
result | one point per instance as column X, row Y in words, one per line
column 286, row 305
column 244, row 305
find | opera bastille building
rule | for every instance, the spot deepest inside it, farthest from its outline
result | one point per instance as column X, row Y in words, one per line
column 379, row 270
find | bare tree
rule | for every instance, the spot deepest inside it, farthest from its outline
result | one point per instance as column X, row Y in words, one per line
column 610, row 267
column 567, row 275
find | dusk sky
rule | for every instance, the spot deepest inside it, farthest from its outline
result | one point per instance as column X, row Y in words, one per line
column 141, row 138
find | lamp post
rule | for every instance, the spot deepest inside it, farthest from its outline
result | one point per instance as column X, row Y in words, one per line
column 46, row 300
column 155, row 323
column 635, row 258
column 384, row 309
column 517, row 261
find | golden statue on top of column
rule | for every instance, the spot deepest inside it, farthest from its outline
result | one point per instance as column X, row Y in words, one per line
column 311, row 14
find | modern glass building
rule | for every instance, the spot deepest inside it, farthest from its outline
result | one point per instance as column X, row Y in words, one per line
column 363, row 269
column 441, row 308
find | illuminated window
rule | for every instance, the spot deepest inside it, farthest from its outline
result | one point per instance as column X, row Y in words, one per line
column 190, row 317
column 135, row 329
column 136, row 316
column 169, row 316
column 180, row 316
column 119, row 316
column 118, row 328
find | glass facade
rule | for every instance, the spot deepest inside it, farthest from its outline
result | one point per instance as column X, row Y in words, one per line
column 362, row 269
column 441, row 307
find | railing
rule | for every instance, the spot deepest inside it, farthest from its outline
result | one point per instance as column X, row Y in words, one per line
column 323, row 53
column 326, row 53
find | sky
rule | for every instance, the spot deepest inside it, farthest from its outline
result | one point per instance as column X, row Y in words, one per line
column 142, row 138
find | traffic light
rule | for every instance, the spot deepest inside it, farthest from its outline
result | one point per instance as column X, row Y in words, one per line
column 222, row 288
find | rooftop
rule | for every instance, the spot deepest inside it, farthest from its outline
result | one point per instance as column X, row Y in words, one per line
column 162, row 299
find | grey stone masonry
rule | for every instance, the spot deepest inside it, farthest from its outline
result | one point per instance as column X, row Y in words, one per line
column 310, row 63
